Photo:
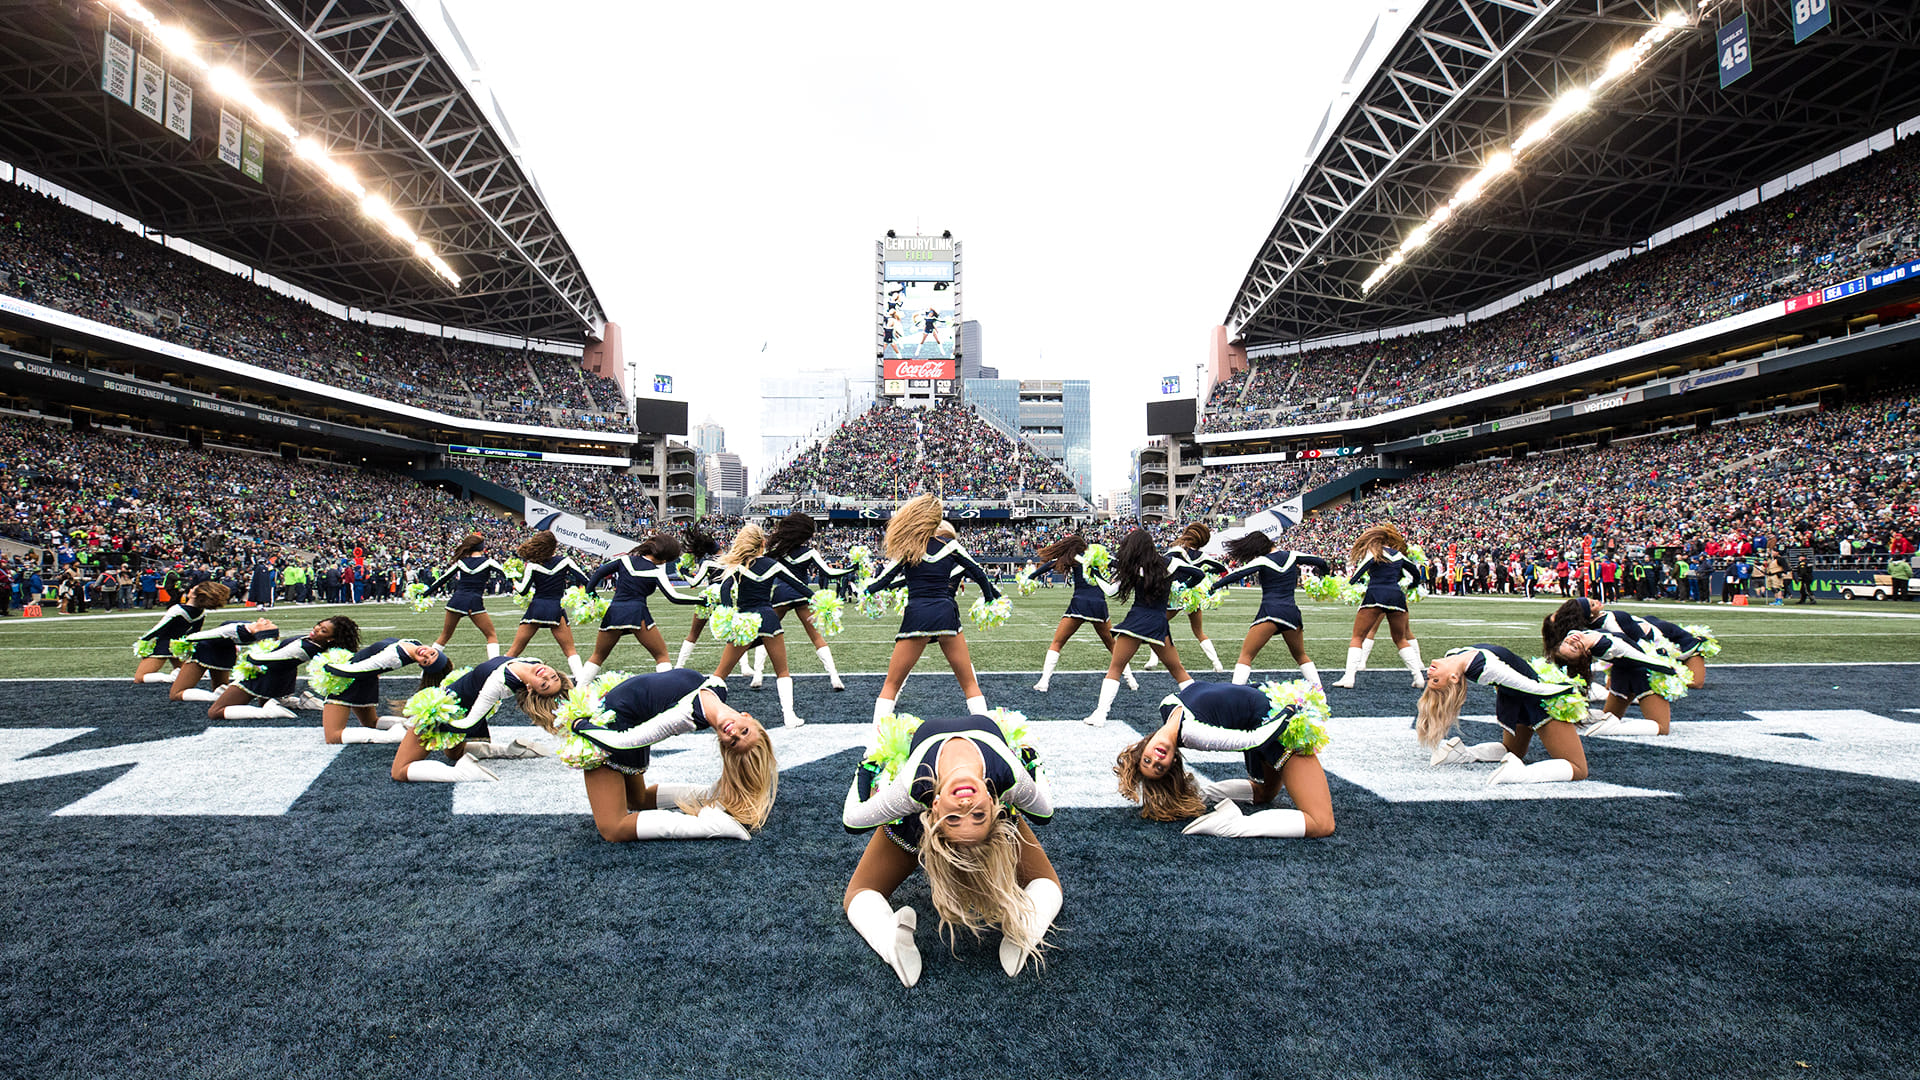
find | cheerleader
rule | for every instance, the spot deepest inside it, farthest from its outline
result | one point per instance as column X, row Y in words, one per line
column 790, row 543
column 1280, row 749
column 534, row 686
column 155, row 647
column 1088, row 605
column 471, row 571
column 1140, row 572
column 957, row 808
column 707, row 571
column 1629, row 678
column 215, row 652
column 1687, row 646
column 255, row 696
column 1519, row 707
column 360, row 697
column 1376, row 558
column 636, row 575
column 1188, row 568
column 925, row 564
column 548, row 574
column 1279, row 574
column 612, row 755
column 750, row 576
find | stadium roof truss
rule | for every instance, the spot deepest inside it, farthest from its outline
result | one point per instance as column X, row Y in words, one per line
column 363, row 78
column 1660, row 145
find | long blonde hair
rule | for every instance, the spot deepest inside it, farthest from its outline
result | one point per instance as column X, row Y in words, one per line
column 977, row 886
column 1173, row 797
column 1384, row 535
column 748, row 781
column 748, row 543
column 1439, row 708
column 912, row 526
column 542, row 709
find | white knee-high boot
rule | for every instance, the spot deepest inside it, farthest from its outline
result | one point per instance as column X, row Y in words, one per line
column 759, row 668
column 1227, row 820
column 493, row 649
column 356, row 734
column 825, row 653
column 1310, row 673
column 686, row 653
column 1368, row 646
column 1410, row 656
column 1206, row 646
column 1109, row 689
column 1456, row 751
column 246, row 712
column 573, row 665
column 1514, row 771
column 1615, row 726
column 1046, row 670
column 887, row 932
column 439, row 772
column 711, row 823
column 197, row 694
column 1044, row 895
column 882, row 707
column 1356, row 663
column 158, row 677
column 783, row 685
column 588, row 670
column 1242, row 673
column 977, row 705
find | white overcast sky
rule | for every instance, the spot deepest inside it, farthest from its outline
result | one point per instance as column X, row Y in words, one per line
column 724, row 169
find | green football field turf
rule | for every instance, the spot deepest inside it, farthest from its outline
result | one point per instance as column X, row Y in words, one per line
column 100, row 644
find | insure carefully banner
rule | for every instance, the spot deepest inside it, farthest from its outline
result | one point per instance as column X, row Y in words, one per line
column 573, row 532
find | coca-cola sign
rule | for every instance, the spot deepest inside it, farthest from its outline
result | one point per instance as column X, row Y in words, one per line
column 900, row 368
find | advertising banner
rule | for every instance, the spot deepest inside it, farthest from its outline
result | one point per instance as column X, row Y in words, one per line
column 573, row 532
column 253, row 154
column 919, row 304
column 180, row 106
column 116, row 69
column 150, row 88
column 898, row 368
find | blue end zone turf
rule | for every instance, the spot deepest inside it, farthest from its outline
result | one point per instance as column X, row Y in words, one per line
column 1744, row 901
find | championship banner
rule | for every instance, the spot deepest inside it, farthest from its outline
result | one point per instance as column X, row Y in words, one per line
column 573, row 532
column 150, row 88
column 180, row 106
column 253, row 154
column 229, row 138
column 116, row 69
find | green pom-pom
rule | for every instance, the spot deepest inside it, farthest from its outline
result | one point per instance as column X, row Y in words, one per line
column 891, row 744
column 1417, row 554
column 989, row 615
column 1024, row 582
column 1669, row 686
column 417, row 597
column 709, row 600
column 515, row 567
column 1709, row 646
column 862, row 556
column 1319, row 587
column 872, row 605
column 686, row 565
column 320, row 681
column 828, row 617
column 248, row 666
column 576, row 752
column 521, row 599
column 1013, row 726
column 431, row 713
column 1571, row 706
column 735, row 627
column 1305, row 732
column 899, row 600
column 143, row 648
column 1198, row 598
column 1099, row 558
column 1351, row 594
column 181, row 648
column 583, row 607
column 1416, row 594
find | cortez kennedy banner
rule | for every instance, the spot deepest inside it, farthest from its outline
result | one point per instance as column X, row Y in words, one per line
column 911, row 368
column 573, row 531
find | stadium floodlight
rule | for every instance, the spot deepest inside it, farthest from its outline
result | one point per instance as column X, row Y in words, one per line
column 179, row 45
column 1567, row 106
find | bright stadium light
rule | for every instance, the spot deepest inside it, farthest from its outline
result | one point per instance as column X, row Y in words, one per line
column 180, row 46
column 1567, row 106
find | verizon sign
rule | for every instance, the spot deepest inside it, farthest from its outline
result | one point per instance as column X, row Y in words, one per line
column 909, row 368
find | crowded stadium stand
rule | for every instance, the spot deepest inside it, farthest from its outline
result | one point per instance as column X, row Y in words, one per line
column 1624, row 303
column 888, row 454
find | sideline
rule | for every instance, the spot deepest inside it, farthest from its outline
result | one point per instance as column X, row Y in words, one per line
column 1075, row 671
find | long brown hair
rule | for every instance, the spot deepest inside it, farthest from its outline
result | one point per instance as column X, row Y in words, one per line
column 1248, row 547
column 1372, row 541
column 539, row 547
column 913, row 525
column 789, row 534
column 1062, row 552
column 1194, row 536
column 470, row 544
column 660, row 548
column 542, row 708
column 1141, row 571
column 211, row 595
column 1173, row 797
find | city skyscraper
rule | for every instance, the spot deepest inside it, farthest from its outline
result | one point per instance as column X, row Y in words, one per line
column 1055, row 416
